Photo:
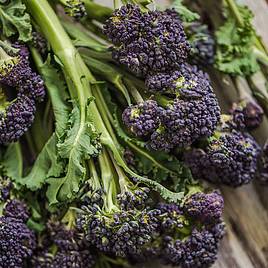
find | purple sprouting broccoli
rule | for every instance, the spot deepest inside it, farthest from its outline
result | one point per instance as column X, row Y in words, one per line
column 5, row 188
column 202, row 44
column 198, row 250
column 17, row 115
column 39, row 42
column 74, row 8
column 17, row 241
column 15, row 71
column 15, row 118
column 193, row 114
column 142, row 119
column 247, row 114
column 183, row 244
column 63, row 246
column 263, row 165
column 124, row 25
column 206, row 208
column 14, row 67
column 153, row 41
column 120, row 232
column 229, row 158
column 16, row 209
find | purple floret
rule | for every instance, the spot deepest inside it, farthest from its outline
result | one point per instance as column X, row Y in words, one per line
column 72, row 251
column 125, row 25
column 187, row 81
column 16, row 119
column 33, row 86
column 263, row 165
column 142, row 119
column 16, row 72
column 17, row 209
column 199, row 250
column 193, row 114
column 148, row 42
column 124, row 233
column 135, row 198
column 206, row 208
column 230, row 158
column 17, row 243
column 5, row 188
column 247, row 114
column 39, row 42
column 203, row 44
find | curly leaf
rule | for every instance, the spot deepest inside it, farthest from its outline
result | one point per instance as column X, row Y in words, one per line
column 58, row 95
column 185, row 14
column 12, row 162
column 80, row 143
column 14, row 19
column 235, row 44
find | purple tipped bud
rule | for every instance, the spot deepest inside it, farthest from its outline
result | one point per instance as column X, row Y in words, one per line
column 203, row 207
column 141, row 119
column 17, row 209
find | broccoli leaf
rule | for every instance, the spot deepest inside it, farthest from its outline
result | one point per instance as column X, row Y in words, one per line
column 15, row 20
column 46, row 165
column 185, row 14
column 80, row 143
column 235, row 44
column 58, row 95
column 12, row 162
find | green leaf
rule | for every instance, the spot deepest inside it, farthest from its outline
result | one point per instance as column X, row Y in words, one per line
column 13, row 162
column 185, row 14
column 55, row 84
column 14, row 19
column 235, row 44
column 46, row 165
column 80, row 143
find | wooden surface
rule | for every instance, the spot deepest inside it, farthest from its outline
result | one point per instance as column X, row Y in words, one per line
column 246, row 208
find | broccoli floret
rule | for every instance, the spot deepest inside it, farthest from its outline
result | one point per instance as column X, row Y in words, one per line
column 17, row 241
column 17, row 209
column 229, row 158
column 247, row 114
column 39, row 42
column 63, row 246
column 16, row 116
column 192, row 114
column 124, row 25
column 198, row 250
column 184, row 244
column 206, row 208
column 263, row 165
column 74, row 8
column 145, row 42
column 202, row 44
column 142, row 119
column 16, row 72
column 5, row 188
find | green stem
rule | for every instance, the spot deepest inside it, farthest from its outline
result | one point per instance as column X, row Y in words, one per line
column 39, row 138
column 134, row 92
column 104, row 111
column 96, row 11
column 235, row 10
column 94, row 175
column 30, row 143
column 108, row 181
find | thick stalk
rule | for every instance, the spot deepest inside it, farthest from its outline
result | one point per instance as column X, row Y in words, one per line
column 108, row 181
column 77, row 75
